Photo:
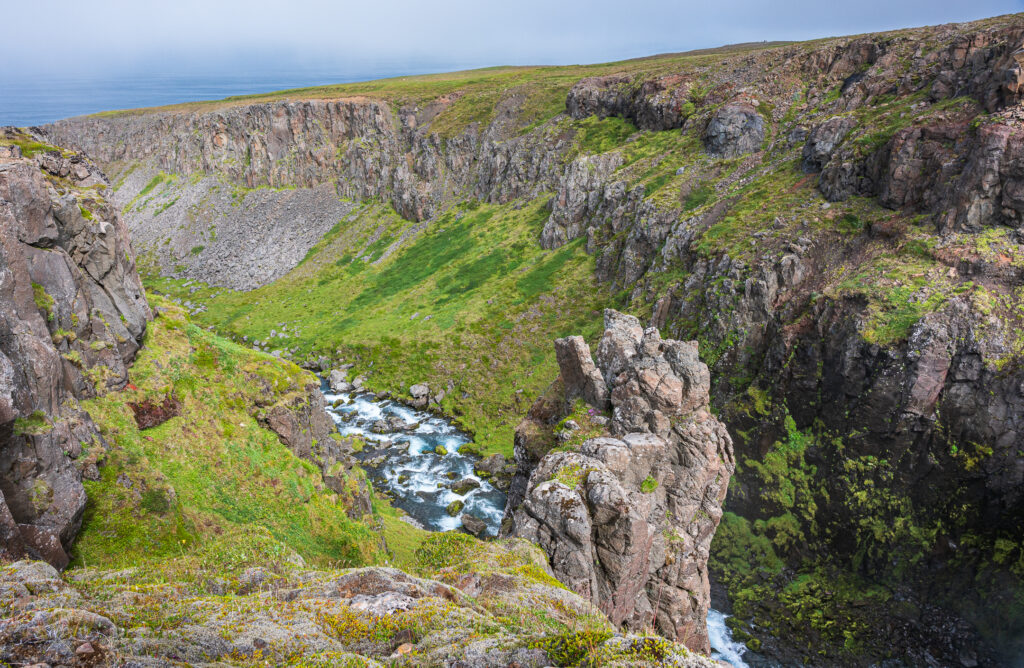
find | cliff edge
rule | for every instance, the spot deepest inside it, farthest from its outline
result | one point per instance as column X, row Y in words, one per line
column 72, row 316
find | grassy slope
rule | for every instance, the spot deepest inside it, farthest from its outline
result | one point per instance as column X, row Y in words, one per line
column 489, row 303
column 213, row 470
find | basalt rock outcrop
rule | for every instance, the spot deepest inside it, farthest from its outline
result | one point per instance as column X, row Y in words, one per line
column 651, row 104
column 72, row 316
column 735, row 129
column 353, row 149
column 301, row 421
column 627, row 519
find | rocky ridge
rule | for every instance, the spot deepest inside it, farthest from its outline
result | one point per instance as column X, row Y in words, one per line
column 474, row 604
column 627, row 519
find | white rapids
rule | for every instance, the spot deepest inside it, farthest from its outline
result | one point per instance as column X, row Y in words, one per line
column 723, row 647
column 402, row 460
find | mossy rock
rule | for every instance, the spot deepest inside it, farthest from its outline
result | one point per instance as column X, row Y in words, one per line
column 454, row 508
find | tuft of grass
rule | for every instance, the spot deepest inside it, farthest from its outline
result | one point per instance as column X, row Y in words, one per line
column 44, row 302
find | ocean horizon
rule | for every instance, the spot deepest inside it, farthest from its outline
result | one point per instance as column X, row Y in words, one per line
column 27, row 100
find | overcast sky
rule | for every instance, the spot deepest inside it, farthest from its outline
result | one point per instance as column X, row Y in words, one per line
column 177, row 36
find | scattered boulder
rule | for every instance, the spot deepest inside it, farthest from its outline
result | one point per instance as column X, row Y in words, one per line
column 338, row 381
column 420, row 393
column 473, row 525
column 455, row 507
column 734, row 130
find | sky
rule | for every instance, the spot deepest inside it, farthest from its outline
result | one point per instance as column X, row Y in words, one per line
column 84, row 37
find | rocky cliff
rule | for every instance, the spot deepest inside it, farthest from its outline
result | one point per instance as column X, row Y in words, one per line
column 358, row 148
column 627, row 518
column 837, row 223
column 72, row 316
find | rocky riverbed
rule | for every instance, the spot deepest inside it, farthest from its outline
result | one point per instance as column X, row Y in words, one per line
column 414, row 457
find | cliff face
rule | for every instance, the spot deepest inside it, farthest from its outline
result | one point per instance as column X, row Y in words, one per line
column 838, row 224
column 72, row 316
column 627, row 518
column 318, row 155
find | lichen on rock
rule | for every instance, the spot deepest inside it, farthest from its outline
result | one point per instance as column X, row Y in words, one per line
column 627, row 519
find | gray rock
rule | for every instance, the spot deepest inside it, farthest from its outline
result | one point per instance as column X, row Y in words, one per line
column 580, row 375
column 735, row 129
column 599, row 506
column 823, row 140
column 62, row 273
column 338, row 382
column 473, row 524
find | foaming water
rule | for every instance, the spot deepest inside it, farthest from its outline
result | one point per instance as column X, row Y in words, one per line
column 723, row 647
column 401, row 457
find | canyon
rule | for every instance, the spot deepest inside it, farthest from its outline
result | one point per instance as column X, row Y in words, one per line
column 835, row 225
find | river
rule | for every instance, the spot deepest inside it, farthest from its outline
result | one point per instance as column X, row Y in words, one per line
column 414, row 457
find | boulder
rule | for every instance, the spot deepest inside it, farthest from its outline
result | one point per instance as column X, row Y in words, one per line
column 473, row 524
column 420, row 393
column 338, row 381
column 735, row 129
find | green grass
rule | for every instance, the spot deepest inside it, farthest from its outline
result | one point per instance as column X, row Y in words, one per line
column 488, row 303
column 172, row 488
column 44, row 302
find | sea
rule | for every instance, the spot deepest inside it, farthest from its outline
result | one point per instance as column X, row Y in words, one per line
column 27, row 101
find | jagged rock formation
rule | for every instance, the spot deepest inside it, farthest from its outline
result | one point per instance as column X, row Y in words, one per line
column 627, row 520
column 653, row 104
column 72, row 316
column 301, row 422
